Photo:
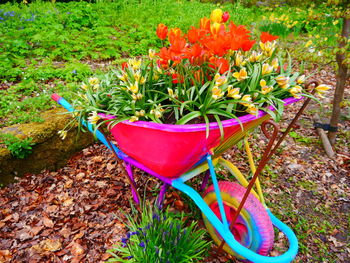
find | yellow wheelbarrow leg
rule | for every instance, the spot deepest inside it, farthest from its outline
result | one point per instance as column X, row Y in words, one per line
column 236, row 173
column 253, row 169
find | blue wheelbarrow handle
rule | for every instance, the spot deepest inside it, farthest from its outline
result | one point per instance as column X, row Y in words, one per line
column 65, row 104
column 287, row 257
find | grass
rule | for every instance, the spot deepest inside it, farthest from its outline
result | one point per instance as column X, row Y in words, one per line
column 49, row 47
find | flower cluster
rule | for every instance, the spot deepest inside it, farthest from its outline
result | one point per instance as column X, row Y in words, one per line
column 216, row 70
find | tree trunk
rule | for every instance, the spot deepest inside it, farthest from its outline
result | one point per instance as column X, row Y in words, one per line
column 341, row 80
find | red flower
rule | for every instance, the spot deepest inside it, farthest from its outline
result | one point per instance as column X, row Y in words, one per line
column 124, row 65
column 162, row 31
column 266, row 37
column 225, row 17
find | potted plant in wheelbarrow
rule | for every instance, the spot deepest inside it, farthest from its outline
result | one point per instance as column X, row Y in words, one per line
column 196, row 97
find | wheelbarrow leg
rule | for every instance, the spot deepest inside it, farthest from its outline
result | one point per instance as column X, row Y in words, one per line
column 205, row 180
column 132, row 182
column 160, row 199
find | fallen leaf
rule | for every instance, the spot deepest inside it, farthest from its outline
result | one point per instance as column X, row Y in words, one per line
column 68, row 202
column 76, row 248
column 48, row 222
column 179, row 204
column 35, row 230
column 24, row 234
column 51, row 245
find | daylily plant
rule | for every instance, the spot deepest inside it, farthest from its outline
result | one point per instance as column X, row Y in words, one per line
column 214, row 71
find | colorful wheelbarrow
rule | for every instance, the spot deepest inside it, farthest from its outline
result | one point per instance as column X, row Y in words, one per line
column 235, row 214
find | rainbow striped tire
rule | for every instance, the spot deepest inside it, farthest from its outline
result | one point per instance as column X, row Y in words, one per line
column 253, row 228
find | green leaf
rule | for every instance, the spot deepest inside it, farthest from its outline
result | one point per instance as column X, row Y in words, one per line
column 190, row 116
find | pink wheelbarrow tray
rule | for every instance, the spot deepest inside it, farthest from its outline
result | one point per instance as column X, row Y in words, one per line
column 235, row 215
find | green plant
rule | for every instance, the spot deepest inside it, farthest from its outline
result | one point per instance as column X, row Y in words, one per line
column 157, row 236
column 19, row 148
column 208, row 74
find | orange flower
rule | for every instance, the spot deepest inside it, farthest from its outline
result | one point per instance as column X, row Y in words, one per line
column 193, row 35
column 266, row 37
column 162, row 31
column 174, row 33
column 204, row 23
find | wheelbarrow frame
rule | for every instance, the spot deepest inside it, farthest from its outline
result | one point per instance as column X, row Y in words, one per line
column 207, row 165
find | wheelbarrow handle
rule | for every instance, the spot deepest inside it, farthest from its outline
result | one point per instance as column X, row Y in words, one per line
column 65, row 104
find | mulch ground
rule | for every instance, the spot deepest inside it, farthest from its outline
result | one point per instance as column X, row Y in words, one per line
column 75, row 214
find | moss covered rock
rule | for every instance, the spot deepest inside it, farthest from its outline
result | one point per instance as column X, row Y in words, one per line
column 49, row 150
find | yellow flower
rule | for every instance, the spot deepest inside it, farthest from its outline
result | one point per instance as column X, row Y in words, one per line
column 214, row 28
column 274, row 63
column 155, row 76
column 134, row 118
column 216, row 16
column 321, row 89
column 295, row 91
column 156, row 113
column 335, row 22
column 264, row 88
column 268, row 47
column 62, row 134
column 172, row 93
column 142, row 113
column 255, row 56
column 247, row 99
column 123, row 77
column 282, row 81
column 135, row 63
column 137, row 75
column 241, row 75
column 142, row 80
column 219, row 80
column 217, row 93
column 301, row 79
column 151, row 54
column 137, row 96
column 96, row 86
column 93, row 117
column 309, row 43
column 134, row 88
column 251, row 109
column 233, row 92
column 84, row 86
column 266, row 69
column 93, row 81
column 239, row 60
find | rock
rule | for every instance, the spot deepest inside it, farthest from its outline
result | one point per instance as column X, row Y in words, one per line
column 49, row 150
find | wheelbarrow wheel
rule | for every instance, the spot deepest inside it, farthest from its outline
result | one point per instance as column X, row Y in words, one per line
column 253, row 228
